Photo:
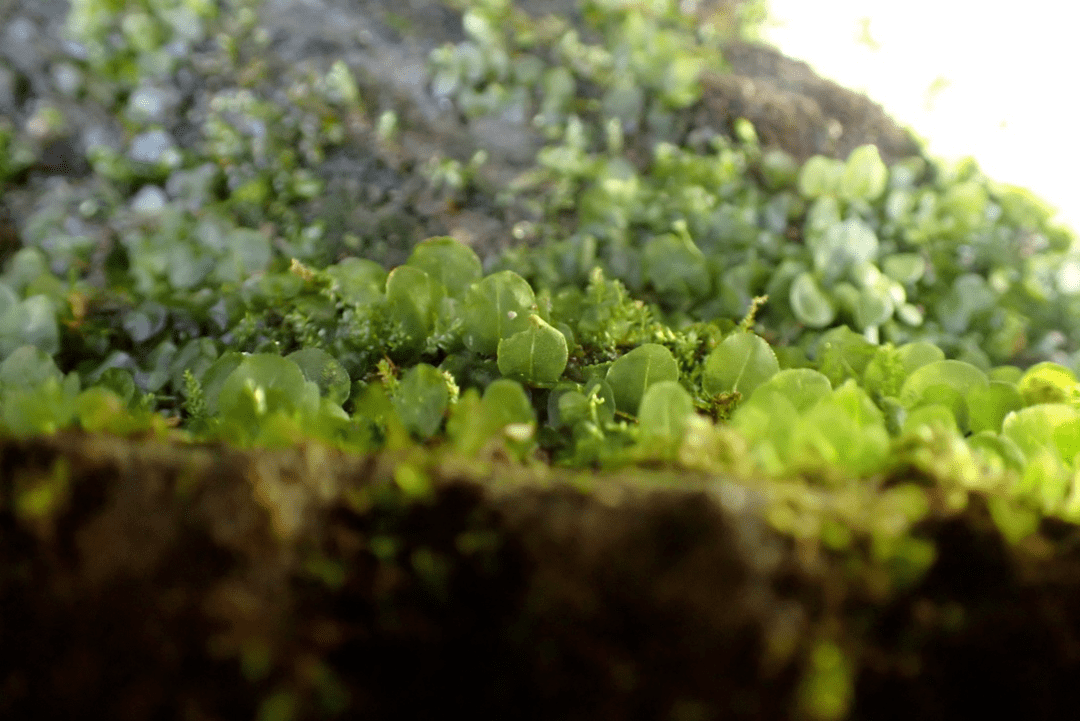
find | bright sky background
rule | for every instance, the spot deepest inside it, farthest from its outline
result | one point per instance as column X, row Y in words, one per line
column 991, row 80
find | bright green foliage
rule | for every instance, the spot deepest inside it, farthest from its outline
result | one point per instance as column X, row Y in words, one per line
column 811, row 306
column 358, row 281
column 495, row 308
column 946, row 382
column 536, row 356
column 741, row 363
column 263, row 385
column 631, row 375
column 988, row 405
column 321, row 368
column 450, row 263
column 820, row 176
column 897, row 292
column 411, row 298
column 865, row 175
column 676, row 268
column 1047, row 383
column 503, row 416
column 665, row 409
column 32, row 321
column 801, row 387
column 1052, row 426
column 421, row 400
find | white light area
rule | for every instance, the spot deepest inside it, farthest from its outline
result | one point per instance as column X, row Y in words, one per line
column 1011, row 100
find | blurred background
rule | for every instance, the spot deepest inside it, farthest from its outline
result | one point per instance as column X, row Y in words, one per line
column 994, row 81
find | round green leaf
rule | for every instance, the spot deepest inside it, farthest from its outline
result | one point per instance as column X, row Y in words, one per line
column 410, row 302
column 934, row 414
column 842, row 245
column 802, row 387
column 665, row 409
column 778, row 169
column 1001, row 446
column 264, row 383
column 1046, row 425
column 917, row 354
column 1046, row 383
column 865, row 175
column 676, row 268
column 359, row 281
column 873, row 307
column 449, row 261
column 31, row 321
column 495, row 308
column 325, row 371
column 421, row 400
column 742, row 362
column 811, row 306
column 214, row 378
column 536, row 356
column 26, row 367
column 632, row 374
column 988, row 405
column 505, row 402
column 820, row 176
column 904, row 268
column 946, row 382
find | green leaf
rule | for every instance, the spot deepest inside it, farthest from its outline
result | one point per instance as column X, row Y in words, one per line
column 325, row 371
column 1047, row 383
column 449, row 261
column 936, row 415
column 1046, row 425
column 632, row 374
column 865, row 175
column 214, row 378
column 801, row 387
column 778, row 169
column 820, row 176
column 263, row 384
column 31, row 321
column 676, row 268
column 411, row 297
column 536, row 356
column 359, row 281
column 248, row 252
column 504, row 412
column 874, row 307
column 811, row 306
column 843, row 353
column 906, row 268
column 988, row 405
column 27, row 367
column 505, row 402
column 665, row 410
column 917, row 354
column 43, row 408
column 1015, row 521
column 947, row 382
column 421, row 400
column 841, row 246
column 858, row 405
column 1003, row 447
column 495, row 308
column 742, row 362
